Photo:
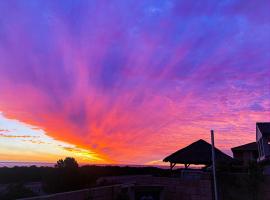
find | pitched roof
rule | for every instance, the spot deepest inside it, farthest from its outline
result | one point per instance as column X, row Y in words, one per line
column 264, row 128
column 246, row 147
column 199, row 152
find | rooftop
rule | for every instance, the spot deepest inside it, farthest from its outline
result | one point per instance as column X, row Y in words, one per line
column 246, row 147
column 199, row 152
column 264, row 128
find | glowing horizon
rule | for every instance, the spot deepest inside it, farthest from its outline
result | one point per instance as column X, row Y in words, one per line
column 128, row 81
column 36, row 146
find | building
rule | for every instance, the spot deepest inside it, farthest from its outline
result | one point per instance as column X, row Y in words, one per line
column 197, row 153
column 263, row 141
column 246, row 153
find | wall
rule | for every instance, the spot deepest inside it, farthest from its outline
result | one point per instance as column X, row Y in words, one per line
column 173, row 188
column 264, row 189
column 100, row 193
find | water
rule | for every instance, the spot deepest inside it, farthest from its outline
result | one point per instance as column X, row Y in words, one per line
column 26, row 164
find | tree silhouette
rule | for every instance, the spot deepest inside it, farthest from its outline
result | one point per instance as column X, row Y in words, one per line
column 15, row 191
column 68, row 163
column 64, row 177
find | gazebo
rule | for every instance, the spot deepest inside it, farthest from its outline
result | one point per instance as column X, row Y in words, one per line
column 197, row 153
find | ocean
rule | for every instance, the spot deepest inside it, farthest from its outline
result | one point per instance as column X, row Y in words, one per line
column 25, row 164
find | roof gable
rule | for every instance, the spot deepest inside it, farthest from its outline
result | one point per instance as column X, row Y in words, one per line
column 246, row 147
column 199, row 152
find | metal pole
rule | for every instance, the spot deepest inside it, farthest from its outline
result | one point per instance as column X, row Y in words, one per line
column 214, row 164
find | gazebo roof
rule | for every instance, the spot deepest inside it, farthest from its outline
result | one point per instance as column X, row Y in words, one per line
column 199, row 152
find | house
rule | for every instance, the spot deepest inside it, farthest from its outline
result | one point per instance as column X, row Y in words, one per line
column 246, row 153
column 263, row 141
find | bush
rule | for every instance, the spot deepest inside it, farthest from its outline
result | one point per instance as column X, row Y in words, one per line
column 15, row 191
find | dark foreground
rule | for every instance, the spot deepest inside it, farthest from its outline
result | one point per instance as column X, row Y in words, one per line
column 15, row 181
column 112, row 181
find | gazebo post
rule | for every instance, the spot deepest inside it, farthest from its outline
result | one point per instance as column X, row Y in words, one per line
column 172, row 165
column 186, row 165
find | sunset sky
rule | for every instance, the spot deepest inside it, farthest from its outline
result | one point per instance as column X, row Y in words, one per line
column 127, row 81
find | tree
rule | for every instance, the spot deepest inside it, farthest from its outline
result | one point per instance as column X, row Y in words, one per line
column 15, row 191
column 68, row 163
column 64, row 177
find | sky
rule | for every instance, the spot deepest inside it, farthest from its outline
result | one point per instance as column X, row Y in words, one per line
column 129, row 82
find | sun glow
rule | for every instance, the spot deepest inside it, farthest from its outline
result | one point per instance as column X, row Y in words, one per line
column 23, row 142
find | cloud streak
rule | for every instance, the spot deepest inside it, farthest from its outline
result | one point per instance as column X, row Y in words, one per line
column 133, row 81
column 15, row 136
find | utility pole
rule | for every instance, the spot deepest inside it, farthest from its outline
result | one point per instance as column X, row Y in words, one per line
column 214, row 164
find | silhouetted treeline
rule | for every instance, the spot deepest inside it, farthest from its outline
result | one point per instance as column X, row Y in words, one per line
column 67, row 175
column 35, row 174
column 22, row 174
column 15, row 191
